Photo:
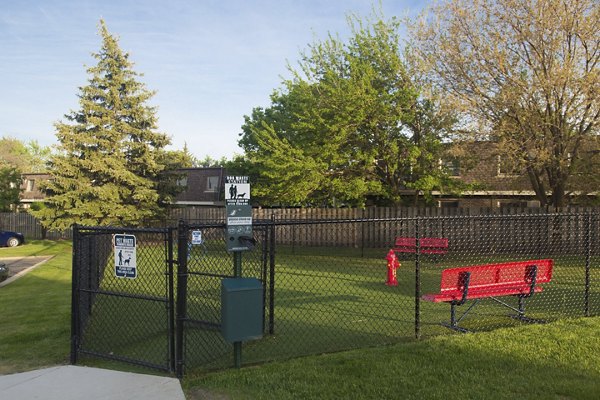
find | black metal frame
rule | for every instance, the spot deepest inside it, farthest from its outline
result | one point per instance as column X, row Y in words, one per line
column 92, row 288
column 544, row 238
column 264, row 230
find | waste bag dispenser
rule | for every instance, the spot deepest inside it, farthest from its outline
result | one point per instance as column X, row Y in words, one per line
column 241, row 309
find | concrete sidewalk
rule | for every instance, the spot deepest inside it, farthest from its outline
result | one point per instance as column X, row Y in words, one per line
column 72, row 382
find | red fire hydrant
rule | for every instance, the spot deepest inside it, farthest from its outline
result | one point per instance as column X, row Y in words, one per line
column 392, row 265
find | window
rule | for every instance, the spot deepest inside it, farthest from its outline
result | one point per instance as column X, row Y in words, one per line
column 182, row 182
column 448, row 204
column 452, row 167
column 212, row 184
column 512, row 203
column 30, row 185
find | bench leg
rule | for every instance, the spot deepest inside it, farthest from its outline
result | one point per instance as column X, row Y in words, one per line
column 521, row 313
column 520, row 310
column 454, row 321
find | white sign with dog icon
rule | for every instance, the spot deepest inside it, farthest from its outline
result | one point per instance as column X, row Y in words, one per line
column 125, row 256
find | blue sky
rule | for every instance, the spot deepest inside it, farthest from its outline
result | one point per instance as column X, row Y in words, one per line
column 210, row 61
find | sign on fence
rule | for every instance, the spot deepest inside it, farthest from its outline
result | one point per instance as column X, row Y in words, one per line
column 125, row 256
column 197, row 238
column 239, row 213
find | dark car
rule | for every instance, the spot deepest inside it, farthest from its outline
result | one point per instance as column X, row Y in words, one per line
column 11, row 239
column 3, row 272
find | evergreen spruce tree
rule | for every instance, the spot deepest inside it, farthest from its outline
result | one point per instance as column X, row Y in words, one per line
column 108, row 164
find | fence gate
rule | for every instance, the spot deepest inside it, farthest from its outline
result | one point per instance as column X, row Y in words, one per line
column 122, row 305
column 203, row 262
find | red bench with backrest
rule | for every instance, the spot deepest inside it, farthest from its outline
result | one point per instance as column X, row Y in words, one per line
column 520, row 279
column 437, row 246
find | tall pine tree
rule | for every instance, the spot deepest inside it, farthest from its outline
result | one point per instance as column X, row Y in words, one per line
column 108, row 164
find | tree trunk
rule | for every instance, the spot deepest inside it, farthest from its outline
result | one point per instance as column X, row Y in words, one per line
column 537, row 185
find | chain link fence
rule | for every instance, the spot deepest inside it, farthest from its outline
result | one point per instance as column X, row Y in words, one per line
column 123, row 305
column 202, row 267
column 325, row 285
column 330, row 292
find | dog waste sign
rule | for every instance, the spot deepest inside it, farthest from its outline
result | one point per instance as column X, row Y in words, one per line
column 239, row 213
column 125, row 256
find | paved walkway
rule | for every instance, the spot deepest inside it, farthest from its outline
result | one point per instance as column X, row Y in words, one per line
column 19, row 266
column 75, row 383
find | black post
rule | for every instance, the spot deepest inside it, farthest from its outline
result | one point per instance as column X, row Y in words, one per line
column 272, row 276
column 264, row 275
column 171, row 300
column 362, row 233
column 588, row 256
column 182, row 256
column 93, row 263
column 237, row 272
column 417, row 281
column 75, row 296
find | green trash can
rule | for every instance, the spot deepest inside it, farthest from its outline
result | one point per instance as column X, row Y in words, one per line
column 241, row 309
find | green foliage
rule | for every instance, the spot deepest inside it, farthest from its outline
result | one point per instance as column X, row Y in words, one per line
column 350, row 124
column 523, row 74
column 10, row 188
column 110, row 157
column 209, row 162
column 169, row 183
column 27, row 157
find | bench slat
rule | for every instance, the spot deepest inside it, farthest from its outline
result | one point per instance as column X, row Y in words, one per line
column 491, row 280
column 427, row 245
column 479, row 294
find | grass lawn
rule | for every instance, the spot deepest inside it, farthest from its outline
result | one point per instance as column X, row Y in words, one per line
column 558, row 360
column 35, row 310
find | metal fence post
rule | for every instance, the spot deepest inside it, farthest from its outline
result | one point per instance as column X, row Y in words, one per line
column 272, row 276
column 588, row 254
column 171, row 301
column 75, row 296
column 237, row 273
column 417, row 281
column 182, row 256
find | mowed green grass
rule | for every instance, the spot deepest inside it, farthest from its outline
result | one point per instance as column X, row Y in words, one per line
column 560, row 360
column 324, row 303
column 327, row 300
column 35, row 310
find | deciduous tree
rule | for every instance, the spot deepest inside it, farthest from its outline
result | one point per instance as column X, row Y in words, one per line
column 525, row 74
column 346, row 126
column 10, row 188
column 27, row 157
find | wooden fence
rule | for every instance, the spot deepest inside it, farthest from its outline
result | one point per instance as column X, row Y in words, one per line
column 217, row 214
column 491, row 230
column 378, row 226
column 29, row 226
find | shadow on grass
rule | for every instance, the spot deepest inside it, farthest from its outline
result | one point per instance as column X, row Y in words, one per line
column 553, row 361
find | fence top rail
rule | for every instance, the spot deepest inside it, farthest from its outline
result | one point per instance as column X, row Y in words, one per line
column 117, row 229
column 506, row 216
column 298, row 221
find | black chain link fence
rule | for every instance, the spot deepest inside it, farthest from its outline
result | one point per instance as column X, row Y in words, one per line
column 117, row 317
column 202, row 266
column 325, row 284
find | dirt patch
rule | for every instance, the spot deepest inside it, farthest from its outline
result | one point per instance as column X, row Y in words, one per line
column 19, row 266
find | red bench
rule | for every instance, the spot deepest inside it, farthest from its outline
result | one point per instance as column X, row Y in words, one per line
column 438, row 246
column 520, row 279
